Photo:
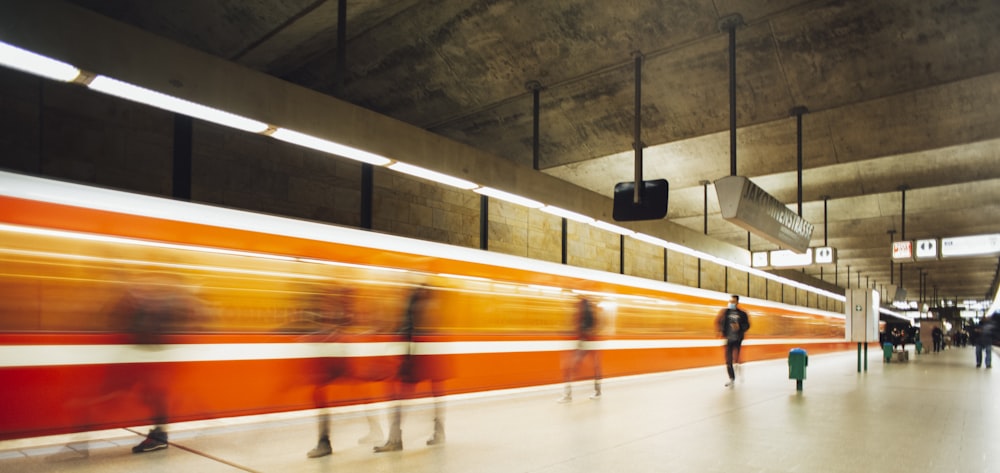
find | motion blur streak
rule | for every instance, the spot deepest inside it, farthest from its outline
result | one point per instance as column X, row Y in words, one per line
column 109, row 299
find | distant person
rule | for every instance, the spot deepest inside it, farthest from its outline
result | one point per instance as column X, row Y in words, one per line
column 938, row 337
column 732, row 323
column 585, row 325
column 414, row 369
column 983, row 338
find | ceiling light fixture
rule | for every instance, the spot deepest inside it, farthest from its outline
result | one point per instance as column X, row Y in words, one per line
column 170, row 103
column 569, row 215
column 327, row 146
column 32, row 63
column 508, row 197
column 433, row 176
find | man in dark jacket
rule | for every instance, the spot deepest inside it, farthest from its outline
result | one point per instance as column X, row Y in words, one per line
column 732, row 323
column 983, row 338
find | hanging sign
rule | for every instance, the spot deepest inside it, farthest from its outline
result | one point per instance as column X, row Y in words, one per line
column 746, row 205
column 825, row 255
column 926, row 249
column 975, row 245
column 902, row 251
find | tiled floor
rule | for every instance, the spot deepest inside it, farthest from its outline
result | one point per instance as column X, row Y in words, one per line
column 935, row 413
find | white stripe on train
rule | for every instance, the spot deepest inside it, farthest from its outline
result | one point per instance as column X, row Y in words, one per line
column 14, row 356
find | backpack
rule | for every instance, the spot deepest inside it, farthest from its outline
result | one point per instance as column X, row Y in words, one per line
column 586, row 317
column 734, row 329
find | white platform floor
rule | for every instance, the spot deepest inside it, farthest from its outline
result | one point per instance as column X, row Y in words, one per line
column 935, row 413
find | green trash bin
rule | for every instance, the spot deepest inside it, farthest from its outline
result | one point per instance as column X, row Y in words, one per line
column 797, row 362
column 920, row 346
column 887, row 351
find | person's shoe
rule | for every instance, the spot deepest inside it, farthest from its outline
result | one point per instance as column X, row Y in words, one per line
column 565, row 398
column 438, row 437
column 322, row 448
column 155, row 440
column 596, row 395
column 731, row 383
column 390, row 447
column 978, row 365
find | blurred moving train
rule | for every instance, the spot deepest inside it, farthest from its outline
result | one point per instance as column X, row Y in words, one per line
column 111, row 302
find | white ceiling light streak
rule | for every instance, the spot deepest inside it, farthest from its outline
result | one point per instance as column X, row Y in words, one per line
column 432, row 176
column 327, row 146
column 27, row 61
column 170, row 103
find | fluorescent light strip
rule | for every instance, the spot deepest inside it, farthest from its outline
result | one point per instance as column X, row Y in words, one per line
column 507, row 196
column 152, row 98
column 432, row 176
column 32, row 63
column 566, row 214
column 612, row 228
column 326, row 146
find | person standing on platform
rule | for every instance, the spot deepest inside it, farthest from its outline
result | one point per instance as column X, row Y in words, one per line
column 982, row 336
column 732, row 323
column 585, row 324
column 938, row 337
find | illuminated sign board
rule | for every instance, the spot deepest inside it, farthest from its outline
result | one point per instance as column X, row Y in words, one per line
column 902, row 250
column 825, row 255
column 746, row 205
column 758, row 259
column 787, row 258
column 926, row 249
column 975, row 245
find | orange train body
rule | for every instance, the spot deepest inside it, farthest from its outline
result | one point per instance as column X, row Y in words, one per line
column 109, row 299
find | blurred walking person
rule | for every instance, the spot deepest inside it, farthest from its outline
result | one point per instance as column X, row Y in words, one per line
column 585, row 325
column 732, row 323
column 413, row 369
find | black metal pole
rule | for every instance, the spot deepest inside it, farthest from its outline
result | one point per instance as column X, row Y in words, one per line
column 484, row 222
column 621, row 254
column 732, row 99
column 183, row 144
column 564, row 240
column 367, row 192
column 798, row 112
column 637, row 132
column 340, row 72
column 535, row 87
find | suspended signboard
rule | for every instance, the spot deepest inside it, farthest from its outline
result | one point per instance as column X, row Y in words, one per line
column 758, row 259
column 926, row 249
column 652, row 206
column 902, row 251
column 975, row 245
column 790, row 259
column 746, row 205
column 825, row 255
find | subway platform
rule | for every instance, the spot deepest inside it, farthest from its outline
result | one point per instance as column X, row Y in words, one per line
column 934, row 413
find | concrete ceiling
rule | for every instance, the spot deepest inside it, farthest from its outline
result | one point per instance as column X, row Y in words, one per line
column 899, row 93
